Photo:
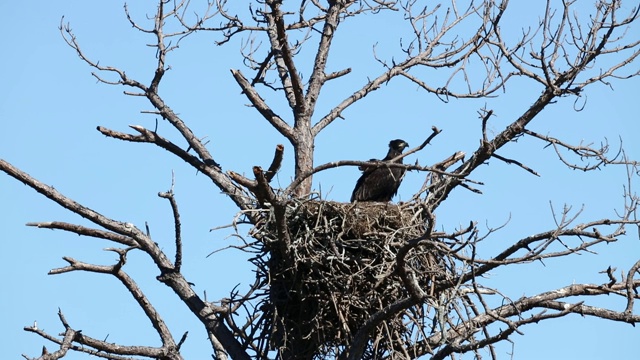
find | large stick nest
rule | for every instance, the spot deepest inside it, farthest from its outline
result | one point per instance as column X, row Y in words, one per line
column 338, row 268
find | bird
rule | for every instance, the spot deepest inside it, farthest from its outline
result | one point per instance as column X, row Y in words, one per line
column 381, row 183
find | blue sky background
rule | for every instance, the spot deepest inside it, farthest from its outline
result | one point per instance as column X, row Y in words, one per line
column 50, row 106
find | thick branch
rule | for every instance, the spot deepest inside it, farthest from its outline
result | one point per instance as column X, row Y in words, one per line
column 280, row 44
column 442, row 189
column 450, row 56
column 144, row 303
column 262, row 107
column 517, row 308
column 275, row 163
column 169, row 195
column 82, row 230
column 210, row 169
column 318, row 76
column 99, row 348
column 118, row 227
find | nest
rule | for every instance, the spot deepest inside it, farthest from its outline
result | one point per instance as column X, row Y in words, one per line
column 337, row 268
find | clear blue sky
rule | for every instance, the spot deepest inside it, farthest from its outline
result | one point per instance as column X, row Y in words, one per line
column 50, row 106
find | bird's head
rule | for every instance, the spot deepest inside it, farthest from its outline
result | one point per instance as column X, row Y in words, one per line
column 398, row 145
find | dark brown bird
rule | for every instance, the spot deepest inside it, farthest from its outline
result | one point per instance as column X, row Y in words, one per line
column 381, row 183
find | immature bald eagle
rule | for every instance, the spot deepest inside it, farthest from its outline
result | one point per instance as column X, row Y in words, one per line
column 381, row 183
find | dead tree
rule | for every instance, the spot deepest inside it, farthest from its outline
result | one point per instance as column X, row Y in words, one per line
column 365, row 280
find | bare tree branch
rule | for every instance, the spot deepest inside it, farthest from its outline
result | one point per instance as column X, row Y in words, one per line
column 371, row 280
column 261, row 106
